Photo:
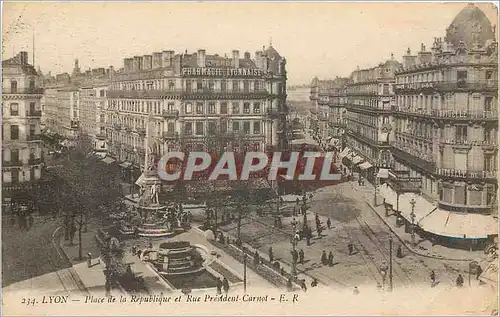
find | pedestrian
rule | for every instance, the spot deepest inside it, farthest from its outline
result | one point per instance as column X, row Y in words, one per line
column 355, row 291
column 271, row 255
column 324, row 259
column 134, row 249
column 319, row 230
column 139, row 252
column 460, row 280
column 350, row 246
column 256, row 258
column 329, row 224
column 433, row 277
column 479, row 271
column 225, row 285
column 330, row 259
column 314, row 283
column 295, row 256
column 219, row 286
column 301, row 256
column 399, row 252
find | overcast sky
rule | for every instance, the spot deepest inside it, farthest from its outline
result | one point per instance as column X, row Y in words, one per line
column 318, row 39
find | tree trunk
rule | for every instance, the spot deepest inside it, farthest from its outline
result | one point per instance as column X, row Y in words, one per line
column 71, row 231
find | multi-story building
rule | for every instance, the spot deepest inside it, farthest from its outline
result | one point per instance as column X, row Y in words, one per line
column 446, row 127
column 369, row 99
column 197, row 100
column 21, row 113
column 337, row 117
column 320, row 95
column 62, row 110
column 92, row 113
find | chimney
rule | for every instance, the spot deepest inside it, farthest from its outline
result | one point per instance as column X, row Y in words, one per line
column 128, row 64
column 409, row 60
column 247, row 55
column 258, row 59
column 167, row 58
column 201, row 58
column 137, row 63
column 147, row 62
column 111, row 72
column 236, row 58
column 157, row 60
column 23, row 56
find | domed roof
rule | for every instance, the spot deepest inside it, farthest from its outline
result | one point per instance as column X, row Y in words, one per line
column 470, row 25
column 272, row 53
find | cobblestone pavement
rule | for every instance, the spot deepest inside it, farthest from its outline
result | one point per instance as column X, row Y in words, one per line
column 353, row 221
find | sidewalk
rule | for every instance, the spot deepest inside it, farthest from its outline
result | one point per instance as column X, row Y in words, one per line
column 423, row 248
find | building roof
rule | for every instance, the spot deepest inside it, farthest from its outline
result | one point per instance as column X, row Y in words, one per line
column 16, row 61
column 191, row 60
column 470, row 25
column 271, row 52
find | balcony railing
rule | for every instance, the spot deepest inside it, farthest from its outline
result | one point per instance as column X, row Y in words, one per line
column 34, row 91
column 370, row 108
column 466, row 174
column 170, row 113
column 451, row 114
column 170, row 135
column 486, row 84
column 34, row 137
column 34, row 161
column 12, row 163
column 117, row 126
column 157, row 93
column 34, row 113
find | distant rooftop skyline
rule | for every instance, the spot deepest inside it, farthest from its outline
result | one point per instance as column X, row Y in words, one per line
column 320, row 39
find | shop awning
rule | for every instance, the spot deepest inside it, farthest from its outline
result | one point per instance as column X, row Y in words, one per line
column 125, row 164
column 405, row 205
column 383, row 173
column 458, row 225
column 422, row 206
column 388, row 194
column 108, row 160
column 344, row 153
column 357, row 159
column 365, row 165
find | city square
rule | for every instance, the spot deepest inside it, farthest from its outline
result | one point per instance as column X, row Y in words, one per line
column 402, row 201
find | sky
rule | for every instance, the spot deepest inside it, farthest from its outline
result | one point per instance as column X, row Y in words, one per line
column 323, row 39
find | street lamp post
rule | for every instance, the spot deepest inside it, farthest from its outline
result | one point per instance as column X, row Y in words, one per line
column 412, row 215
column 390, row 263
column 294, row 242
column 245, row 273
column 375, row 183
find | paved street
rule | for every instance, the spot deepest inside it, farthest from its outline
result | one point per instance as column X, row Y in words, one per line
column 354, row 222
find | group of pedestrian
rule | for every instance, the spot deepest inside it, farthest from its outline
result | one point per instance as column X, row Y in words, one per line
column 298, row 257
column 222, row 284
column 327, row 260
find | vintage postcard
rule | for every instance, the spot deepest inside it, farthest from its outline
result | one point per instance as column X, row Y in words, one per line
column 249, row 158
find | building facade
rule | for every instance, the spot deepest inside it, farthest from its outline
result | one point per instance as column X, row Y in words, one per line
column 21, row 113
column 62, row 110
column 369, row 101
column 320, row 95
column 92, row 113
column 197, row 101
column 446, row 116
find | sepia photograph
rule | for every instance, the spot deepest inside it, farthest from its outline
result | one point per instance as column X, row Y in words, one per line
column 249, row 158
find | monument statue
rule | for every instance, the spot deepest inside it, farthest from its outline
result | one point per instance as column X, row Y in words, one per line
column 154, row 193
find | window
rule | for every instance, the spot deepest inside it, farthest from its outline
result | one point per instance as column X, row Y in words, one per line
column 199, row 107
column 256, row 128
column 171, row 85
column 211, row 85
column 102, row 93
column 256, row 107
column 223, row 126
column 188, row 128
column 461, row 75
column 211, row 107
column 461, row 133
column 170, row 106
column 246, row 86
column 236, row 85
column 488, row 102
column 487, row 135
column 14, row 155
column 246, row 127
column 199, row 128
column 489, row 74
column 246, row 107
column 236, row 126
column 13, row 86
column 32, row 84
column 223, row 86
column 460, row 195
column 488, row 163
column 171, row 127
column 236, row 107
column 256, row 86
column 199, row 86
column 188, row 108
column 223, row 108
column 14, row 109
column 385, row 89
column 212, row 127
column 32, row 129
column 188, row 86
column 14, row 132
